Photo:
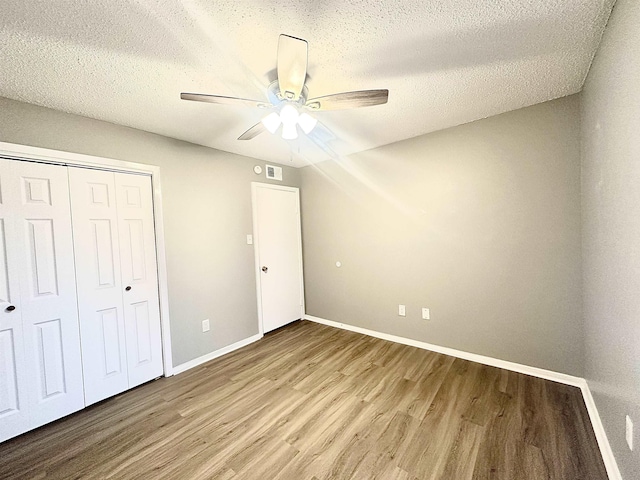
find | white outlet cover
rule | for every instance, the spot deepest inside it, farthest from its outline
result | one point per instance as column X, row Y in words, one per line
column 629, row 432
column 249, row 239
column 426, row 315
column 402, row 311
column 205, row 325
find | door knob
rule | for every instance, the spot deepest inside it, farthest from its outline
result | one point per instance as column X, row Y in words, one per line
column 264, row 269
column 128, row 287
column 10, row 308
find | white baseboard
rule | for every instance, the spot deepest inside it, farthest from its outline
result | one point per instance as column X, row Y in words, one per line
column 601, row 435
column 581, row 383
column 183, row 367
column 474, row 357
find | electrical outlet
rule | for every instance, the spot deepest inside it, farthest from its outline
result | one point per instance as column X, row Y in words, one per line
column 426, row 315
column 249, row 239
column 629, row 432
column 402, row 311
column 205, row 325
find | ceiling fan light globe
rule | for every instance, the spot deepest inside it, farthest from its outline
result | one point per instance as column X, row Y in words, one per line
column 289, row 115
column 271, row 122
column 307, row 123
column 289, row 131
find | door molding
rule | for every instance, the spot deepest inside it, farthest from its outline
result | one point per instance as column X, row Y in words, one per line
column 256, row 246
column 14, row 151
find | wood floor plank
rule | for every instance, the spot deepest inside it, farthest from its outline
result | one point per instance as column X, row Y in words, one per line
column 461, row 458
column 311, row 402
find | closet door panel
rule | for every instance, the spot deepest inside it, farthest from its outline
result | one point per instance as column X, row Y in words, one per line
column 14, row 386
column 95, row 223
column 48, row 290
column 139, row 272
column 46, row 282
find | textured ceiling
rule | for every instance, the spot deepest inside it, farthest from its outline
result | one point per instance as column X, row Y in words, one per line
column 445, row 62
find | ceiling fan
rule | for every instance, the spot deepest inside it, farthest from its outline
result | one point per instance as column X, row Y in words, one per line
column 288, row 95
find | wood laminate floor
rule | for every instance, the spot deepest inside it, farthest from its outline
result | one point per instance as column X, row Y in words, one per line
column 310, row 402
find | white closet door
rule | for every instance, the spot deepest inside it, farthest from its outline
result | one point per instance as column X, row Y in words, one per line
column 95, row 235
column 48, row 292
column 14, row 417
column 38, row 199
column 139, row 277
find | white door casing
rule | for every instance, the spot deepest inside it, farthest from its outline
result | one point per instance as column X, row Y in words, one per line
column 139, row 277
column 100, row 302
column 39, row 242
column 278, row 250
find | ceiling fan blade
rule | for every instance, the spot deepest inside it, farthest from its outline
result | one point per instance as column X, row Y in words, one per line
column 202, row 97
column 341, row 101
column 292, row 66
column 254, row 131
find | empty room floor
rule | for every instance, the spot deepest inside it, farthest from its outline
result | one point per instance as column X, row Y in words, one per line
column 314, row 402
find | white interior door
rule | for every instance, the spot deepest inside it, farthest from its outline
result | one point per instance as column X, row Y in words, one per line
column 140, row 277
column 100, row 289
column 278, row 247
column 14, row 414
column 40, row 243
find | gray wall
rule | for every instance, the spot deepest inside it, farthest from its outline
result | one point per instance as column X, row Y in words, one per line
column 207, row 214
column 611, row 230
column 480, row 223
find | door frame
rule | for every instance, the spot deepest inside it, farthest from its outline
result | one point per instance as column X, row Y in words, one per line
column 14, row 151
column 256, row 245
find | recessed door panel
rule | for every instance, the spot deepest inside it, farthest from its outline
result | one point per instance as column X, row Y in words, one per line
column 9, row 399
column 102, row 254
column 110, row 342
column 42, row 261
column 14, row 382
column 99, row 194
column 142, row 333
column 135, row 251
column 36, row 191
column 132, row 196
column 4, row 268
column 51, row 359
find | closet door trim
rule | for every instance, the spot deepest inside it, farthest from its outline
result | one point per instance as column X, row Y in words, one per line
column 14, row 151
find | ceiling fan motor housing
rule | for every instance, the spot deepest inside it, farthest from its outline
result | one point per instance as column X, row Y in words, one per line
column 276, row 97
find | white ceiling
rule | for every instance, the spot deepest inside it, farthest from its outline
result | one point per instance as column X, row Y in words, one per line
column 445, row 62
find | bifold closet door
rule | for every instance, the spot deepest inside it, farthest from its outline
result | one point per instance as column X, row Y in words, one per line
column 117, row 280
column 140, row 277
column 40, row 361
column 14, row 378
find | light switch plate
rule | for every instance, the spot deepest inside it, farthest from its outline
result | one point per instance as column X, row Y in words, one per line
column 205, row 325
column 249, row 239
column 426, row 314
column 402, row 311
